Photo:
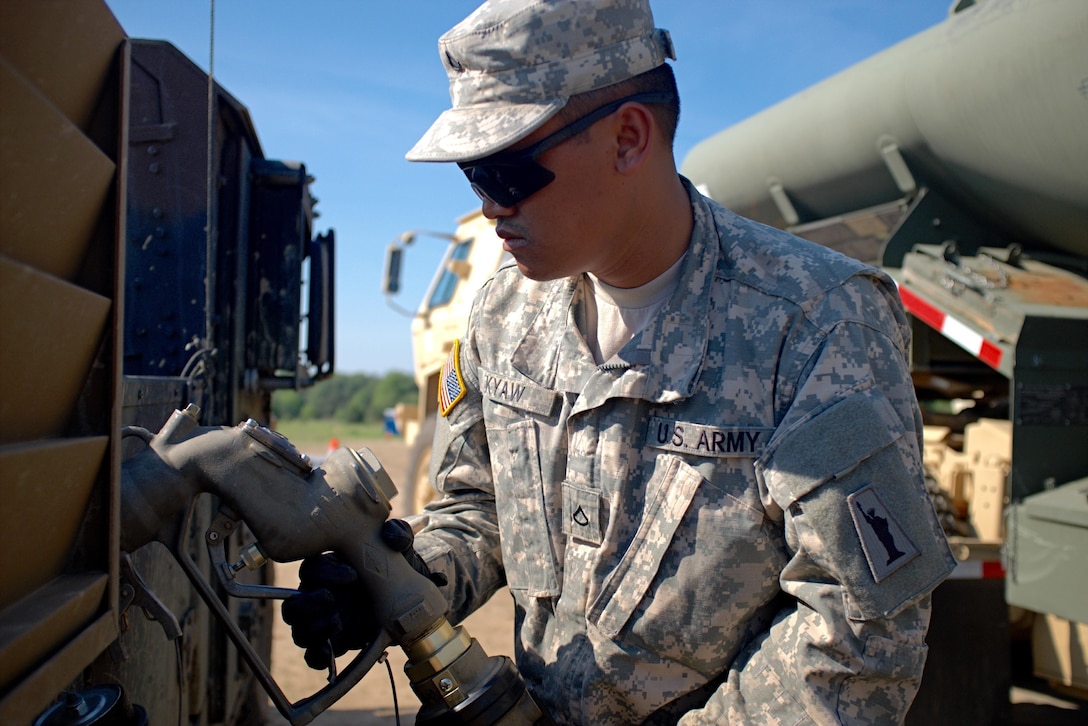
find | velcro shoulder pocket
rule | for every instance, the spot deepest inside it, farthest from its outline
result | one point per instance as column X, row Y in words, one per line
column 854, row 491
column 829, row 444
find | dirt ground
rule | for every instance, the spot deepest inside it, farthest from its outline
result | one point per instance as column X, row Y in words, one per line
column 371, row 702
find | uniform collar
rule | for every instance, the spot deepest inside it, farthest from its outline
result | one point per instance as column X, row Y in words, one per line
column 675, row 340
column 662, row 363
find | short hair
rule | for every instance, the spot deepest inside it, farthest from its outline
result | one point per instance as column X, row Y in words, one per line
column 657, row 80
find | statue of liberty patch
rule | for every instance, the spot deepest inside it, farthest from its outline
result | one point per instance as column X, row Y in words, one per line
column 886, row 545
column 451, row 386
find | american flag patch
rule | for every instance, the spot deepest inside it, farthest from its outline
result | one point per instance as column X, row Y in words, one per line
column 451, row 387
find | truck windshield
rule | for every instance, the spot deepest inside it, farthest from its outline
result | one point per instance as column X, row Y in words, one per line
column 446, row 284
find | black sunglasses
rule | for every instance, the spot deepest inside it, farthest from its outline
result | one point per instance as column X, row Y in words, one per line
column 510, row 177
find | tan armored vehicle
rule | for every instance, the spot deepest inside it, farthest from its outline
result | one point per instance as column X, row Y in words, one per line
column 473, row 253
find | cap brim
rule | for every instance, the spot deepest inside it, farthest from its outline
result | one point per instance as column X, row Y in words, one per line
column 465, row 134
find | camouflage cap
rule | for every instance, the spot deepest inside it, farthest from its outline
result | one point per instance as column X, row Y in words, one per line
column 513, row 64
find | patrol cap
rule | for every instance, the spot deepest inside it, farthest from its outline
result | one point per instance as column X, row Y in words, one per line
column 513, row 64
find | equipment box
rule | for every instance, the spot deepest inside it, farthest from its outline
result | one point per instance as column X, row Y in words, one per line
column 1047, row 537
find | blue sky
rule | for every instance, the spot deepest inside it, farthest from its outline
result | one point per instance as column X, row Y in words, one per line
column 348, row 86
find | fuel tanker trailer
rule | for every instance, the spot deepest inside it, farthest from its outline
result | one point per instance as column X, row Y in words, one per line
column 957, row 160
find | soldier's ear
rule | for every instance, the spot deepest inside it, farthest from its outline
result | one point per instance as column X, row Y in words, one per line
column 634, row 126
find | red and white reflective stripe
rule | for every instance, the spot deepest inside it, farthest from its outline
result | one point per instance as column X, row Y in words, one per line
column 978, row 570
column 951, row 328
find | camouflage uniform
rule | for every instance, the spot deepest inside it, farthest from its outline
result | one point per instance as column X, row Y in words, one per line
column 724, row 523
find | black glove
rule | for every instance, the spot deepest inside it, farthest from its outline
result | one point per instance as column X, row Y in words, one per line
column 332, row 613
column 399, row 536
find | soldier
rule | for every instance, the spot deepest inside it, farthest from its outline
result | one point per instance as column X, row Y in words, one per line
column 670, row 431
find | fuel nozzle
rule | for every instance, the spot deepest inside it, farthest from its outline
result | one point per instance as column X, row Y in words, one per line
column 295, row 510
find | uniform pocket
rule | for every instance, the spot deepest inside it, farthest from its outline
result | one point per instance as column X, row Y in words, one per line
column 523, row 516
column 701, row 561
column 671, row 489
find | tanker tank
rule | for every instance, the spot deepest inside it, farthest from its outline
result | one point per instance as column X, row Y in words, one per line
column 988, row 108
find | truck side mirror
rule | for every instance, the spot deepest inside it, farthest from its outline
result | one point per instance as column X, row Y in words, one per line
column 320, row 337
column 391, row 278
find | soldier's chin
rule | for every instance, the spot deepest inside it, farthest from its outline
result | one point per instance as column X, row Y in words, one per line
column 535, row 273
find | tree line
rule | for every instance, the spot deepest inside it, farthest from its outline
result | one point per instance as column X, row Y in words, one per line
column 354, row 398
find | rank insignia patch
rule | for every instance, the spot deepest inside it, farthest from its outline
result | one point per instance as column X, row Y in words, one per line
column 451, row 387
column 886, row 545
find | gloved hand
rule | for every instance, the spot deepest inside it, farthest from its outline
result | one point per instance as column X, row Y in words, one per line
column 399, row 536
column 332, row 612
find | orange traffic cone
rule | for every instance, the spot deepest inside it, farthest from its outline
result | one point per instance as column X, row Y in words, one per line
column 334, row 444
